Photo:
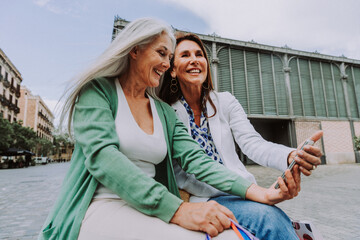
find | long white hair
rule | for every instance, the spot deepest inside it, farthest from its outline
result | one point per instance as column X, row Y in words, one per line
column 115, row 59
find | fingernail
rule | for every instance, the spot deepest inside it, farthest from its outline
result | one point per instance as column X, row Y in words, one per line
column 300, row 153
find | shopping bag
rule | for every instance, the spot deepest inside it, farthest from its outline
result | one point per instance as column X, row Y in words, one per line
column 306, row 230
column 241, row 232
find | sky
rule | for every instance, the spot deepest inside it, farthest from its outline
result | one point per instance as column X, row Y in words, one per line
column 50, row 41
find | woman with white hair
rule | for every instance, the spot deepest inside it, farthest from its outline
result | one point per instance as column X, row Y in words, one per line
column 121, row 183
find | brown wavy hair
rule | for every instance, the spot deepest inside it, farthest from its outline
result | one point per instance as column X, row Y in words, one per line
column 170, row 97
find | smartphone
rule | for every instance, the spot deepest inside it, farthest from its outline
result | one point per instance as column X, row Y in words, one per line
column 293, row 162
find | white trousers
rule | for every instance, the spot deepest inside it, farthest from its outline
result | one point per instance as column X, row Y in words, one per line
column 115, row 219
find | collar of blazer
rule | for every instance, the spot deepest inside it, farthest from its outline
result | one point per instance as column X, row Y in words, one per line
column 214, row 122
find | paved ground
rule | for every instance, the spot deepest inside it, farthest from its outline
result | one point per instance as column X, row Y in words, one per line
column 330, row 198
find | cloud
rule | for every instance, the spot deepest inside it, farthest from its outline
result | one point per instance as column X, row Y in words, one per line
column 65, row 7
column 327, row 26
column 41, row 3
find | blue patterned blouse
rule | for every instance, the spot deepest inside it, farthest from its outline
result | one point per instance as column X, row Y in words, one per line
column 201, row 134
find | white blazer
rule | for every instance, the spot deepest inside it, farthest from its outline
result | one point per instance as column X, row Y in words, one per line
column 228, row 125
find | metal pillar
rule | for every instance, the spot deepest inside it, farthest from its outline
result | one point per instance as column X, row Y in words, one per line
column 214, row 66
column 287, row 70
column 344, row 78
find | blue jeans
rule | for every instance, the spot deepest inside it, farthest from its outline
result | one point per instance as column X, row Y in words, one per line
column 264, row 221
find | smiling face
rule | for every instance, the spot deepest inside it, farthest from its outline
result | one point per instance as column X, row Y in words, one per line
column 190, row 64
column 152, row 60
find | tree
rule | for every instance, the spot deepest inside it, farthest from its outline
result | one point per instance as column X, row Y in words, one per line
column 44, row 147
column 23, row 137
column 6, row 133
column 61, row 140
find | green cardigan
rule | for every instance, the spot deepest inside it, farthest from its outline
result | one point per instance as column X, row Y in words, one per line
column 96, row 158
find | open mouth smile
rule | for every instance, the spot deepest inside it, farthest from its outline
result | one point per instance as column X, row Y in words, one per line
column 194, row 71
column 159, row 72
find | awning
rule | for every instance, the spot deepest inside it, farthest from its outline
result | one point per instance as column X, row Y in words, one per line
column 15, row 152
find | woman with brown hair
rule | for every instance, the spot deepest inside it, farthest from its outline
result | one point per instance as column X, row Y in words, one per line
column 216, row 121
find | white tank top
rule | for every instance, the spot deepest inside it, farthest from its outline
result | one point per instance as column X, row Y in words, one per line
column 144, row 150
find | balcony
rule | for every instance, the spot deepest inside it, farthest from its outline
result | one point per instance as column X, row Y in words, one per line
column 6, row 83
column 4, row 101
column 43, row 116
column 16, row 109
column 12, row 88
column 17, row 92
column 11, row 106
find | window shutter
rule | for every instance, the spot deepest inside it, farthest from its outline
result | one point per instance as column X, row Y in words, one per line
column 268, row 84
column 351, row 93
column 339, row 92
column 282, row 100
column 238, row 70
column 253, row 77
column 296, row 89
column 318, row 89
column 306, row 88
column 224, row 71
column 329, row 89
column 356, row 71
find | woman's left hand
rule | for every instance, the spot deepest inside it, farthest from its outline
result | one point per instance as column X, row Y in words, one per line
column 309, row 158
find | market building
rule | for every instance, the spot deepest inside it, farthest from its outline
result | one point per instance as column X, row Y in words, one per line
column 289, row 94
column 35, row 114
column 10, row 81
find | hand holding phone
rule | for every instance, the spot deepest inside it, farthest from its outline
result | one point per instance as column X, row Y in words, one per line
column 293, row 162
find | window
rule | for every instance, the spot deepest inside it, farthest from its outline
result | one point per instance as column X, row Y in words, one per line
column 9, row 118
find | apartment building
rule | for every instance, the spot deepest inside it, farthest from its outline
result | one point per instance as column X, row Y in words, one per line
column 10, row 81
column 35, row 114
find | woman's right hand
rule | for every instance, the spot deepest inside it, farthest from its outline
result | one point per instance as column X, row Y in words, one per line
column 271, row 196
column 209, row 217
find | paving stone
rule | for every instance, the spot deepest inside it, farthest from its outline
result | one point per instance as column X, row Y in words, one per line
column 329, row 198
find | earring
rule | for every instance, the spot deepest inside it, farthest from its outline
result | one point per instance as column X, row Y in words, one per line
column 206, row 85
column 174, row 85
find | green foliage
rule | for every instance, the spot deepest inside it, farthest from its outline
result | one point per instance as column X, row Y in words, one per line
column 13, row 135
column 44, row 147
column 6, row 133
column 23, row 137
column 357, row 143
column 61, row 140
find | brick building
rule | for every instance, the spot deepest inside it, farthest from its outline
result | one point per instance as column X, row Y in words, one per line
column 289, row 94
column 10, row 81
column 35, row 114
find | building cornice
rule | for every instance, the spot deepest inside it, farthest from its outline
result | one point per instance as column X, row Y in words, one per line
column 10, row 64
column 120, row 23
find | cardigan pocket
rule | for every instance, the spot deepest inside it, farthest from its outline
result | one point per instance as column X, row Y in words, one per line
column 48, row 232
